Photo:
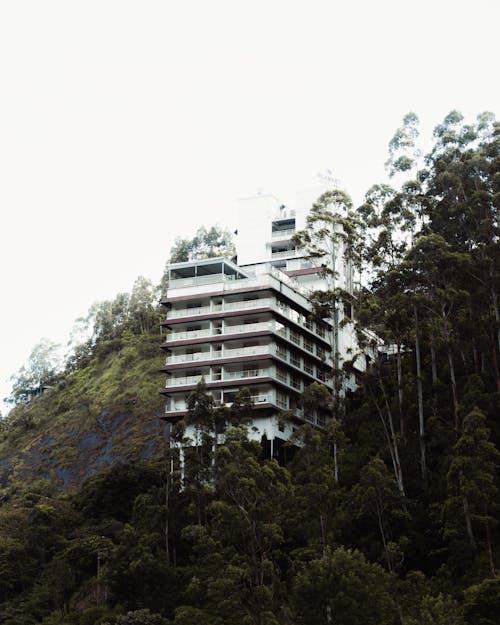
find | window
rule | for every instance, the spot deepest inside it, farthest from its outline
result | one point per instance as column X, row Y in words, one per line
column 281, row 374
column 281, row 400
column 229, row 396
column 295, row 382
column 250, row 373
column 308, row 345
column 281, row 352
column 280, row 328
column 322, row 374
column 308, row 367
column 295, row 359
column 295, row 337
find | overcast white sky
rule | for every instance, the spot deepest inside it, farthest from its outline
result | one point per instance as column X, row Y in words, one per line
column 125, row 124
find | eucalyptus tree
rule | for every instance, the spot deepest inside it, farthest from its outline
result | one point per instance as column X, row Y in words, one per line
column 314, row 480
column 378, row 497
column 345, row 589
column 463, row 185
column 472, row 483
column 331, row 242
column 206, row 243
column 42, row 369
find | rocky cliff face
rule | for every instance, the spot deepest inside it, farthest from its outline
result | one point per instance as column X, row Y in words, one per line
column 104, row 413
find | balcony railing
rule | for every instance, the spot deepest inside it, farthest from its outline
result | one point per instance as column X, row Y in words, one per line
column 200, row 280
column 223, row 353
column 236, row 329
column 205, row 310
column 283, row 234
column 217, row 377
column 284, row 254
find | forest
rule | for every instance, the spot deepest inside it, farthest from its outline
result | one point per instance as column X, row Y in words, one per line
column 389, row 516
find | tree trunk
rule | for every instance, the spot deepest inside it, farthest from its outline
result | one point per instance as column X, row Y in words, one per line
column 391, row 438
column 402, row 429
column 420, row 397
column 488, row 542
column 453, row 390
column 467, row 516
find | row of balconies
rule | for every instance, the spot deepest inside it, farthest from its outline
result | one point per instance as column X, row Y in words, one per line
column 279, row 399
column 180, row 405
column 217, row 354
column 221, row 374
column 289, row 356
column 221, row 307
column 303, row 342
column 222, row 328
column 229, row 280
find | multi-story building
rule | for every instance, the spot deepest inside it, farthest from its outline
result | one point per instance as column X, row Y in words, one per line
column 251, row 324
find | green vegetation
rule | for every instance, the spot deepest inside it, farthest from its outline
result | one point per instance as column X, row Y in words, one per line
column 390, row 516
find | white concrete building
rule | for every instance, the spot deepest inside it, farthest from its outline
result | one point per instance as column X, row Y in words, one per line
column 251, row 324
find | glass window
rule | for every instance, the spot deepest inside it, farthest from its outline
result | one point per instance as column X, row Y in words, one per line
column 308, row 367
column 282, row 400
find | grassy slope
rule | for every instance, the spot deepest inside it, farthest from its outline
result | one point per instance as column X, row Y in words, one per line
column 102, row 414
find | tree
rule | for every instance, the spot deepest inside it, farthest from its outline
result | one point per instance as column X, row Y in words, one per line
column 210, row 243
column 312, row 509
column 345, row 589
column 482, row 603
column 139, row 617
column 143, row 306
column 41, row 370
column 472, row 484
column 376, row 496
column 436, row 610
column 330, row 241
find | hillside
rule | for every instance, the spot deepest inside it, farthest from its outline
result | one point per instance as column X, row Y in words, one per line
column 103, row 413
column 388, row 516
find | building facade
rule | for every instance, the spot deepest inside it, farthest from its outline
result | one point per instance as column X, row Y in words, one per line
column 250, row 324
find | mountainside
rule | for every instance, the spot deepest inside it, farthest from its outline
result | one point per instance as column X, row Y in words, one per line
column 104, row 413
column 388, row 516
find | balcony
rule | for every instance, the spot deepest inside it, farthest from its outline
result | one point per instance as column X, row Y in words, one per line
column 236, row 329
column 176, row 283
column 284, row 254
column 217, row 377
column 260, row 398
column 223, row 353
column 283, row 234
column 226, row 306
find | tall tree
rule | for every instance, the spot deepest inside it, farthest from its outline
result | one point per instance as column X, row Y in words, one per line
column 42, row 369
column 345, row 589
column 472, row 482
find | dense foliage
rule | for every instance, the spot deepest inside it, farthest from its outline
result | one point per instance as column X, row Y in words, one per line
column 388, row 517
